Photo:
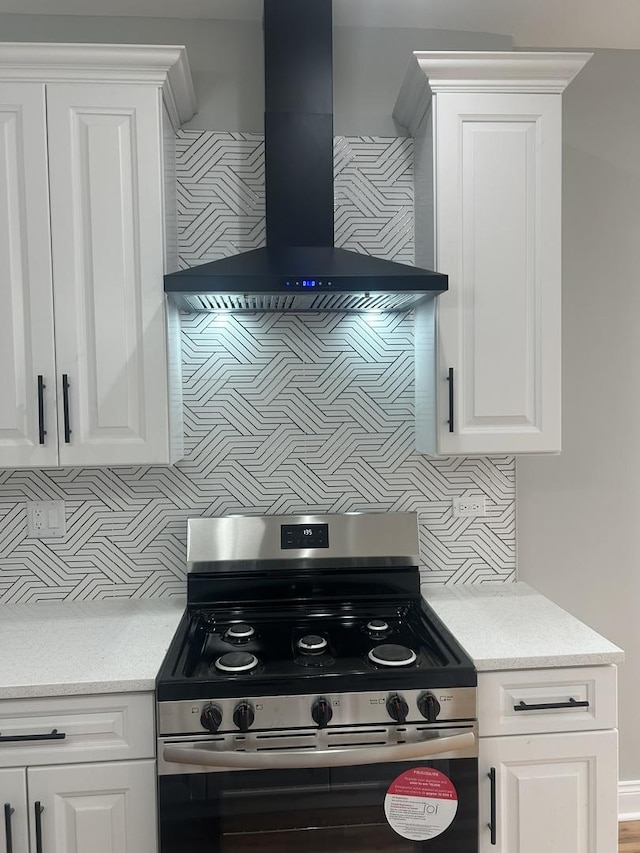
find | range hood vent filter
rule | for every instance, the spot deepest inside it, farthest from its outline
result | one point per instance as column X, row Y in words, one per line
column 298, row 303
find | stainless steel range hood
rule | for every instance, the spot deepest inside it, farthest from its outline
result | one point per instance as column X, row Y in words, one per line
column 300, row 269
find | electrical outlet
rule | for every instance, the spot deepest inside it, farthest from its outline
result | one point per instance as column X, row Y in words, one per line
column 468, row 507
column 45, row 519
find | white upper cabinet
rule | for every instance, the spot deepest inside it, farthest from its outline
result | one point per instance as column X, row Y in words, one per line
column 104, row 159
column 27, row 358
column 82, row 215
column 488, row 130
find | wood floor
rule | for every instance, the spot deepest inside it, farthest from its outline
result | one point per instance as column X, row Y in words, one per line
column 629, row 837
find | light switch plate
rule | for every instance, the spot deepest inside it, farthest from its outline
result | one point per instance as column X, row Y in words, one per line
column 45, row 519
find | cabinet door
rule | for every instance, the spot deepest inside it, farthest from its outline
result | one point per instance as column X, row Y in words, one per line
column 497, row 222
column 95, row 808
column 557, row 793
column 14, row 837
column 105, row 161
column 26, row 316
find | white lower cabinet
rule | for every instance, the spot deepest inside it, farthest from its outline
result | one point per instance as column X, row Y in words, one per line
column 14, row 836
column 94, row 808
column 86, row 808
column 55, row 798
column 548, row 760
column 554, row 793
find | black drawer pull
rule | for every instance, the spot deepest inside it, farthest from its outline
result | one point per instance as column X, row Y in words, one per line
column 41, row 430
column 451, row 400
column 65, row 408
column 547, row 706
column 492, row 814
column 54, row 734
column 8, row 811
column 38, row 810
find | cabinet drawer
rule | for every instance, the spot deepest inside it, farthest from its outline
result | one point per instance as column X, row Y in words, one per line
column 95, row 728
column 547, row 700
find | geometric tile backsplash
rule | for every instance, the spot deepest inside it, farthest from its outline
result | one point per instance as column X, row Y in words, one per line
column 282, row 412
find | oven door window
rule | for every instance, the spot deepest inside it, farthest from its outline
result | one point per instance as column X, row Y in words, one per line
column 336, row 810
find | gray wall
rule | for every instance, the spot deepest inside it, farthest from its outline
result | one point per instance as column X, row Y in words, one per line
column 578, row 528
column 226, row 61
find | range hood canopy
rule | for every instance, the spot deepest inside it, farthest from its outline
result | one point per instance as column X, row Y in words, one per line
column 300, row 269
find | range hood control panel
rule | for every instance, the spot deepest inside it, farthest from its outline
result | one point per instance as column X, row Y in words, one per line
column 306, row 283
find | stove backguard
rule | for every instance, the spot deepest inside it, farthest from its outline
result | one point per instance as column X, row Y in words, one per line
column 305, row 558
column 314, row 541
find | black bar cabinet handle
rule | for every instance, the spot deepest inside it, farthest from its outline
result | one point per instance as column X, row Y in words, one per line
column 451, row 419
column 65, row 407
column 546, row 706
column 41, row 430
column 492, row 816
column 54, row 734
column 38, row 809
column 8, row 811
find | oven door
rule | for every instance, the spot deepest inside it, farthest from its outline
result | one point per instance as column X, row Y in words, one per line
column 407, row 796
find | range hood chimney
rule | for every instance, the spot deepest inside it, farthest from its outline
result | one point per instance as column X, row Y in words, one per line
column 300, row 269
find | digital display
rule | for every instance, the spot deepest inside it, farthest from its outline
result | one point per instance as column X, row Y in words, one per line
column 307, row 283
column 304, row 536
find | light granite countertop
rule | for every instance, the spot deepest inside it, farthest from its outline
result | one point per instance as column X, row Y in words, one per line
column 511, row 626
column 64, row 648
column 117, row 646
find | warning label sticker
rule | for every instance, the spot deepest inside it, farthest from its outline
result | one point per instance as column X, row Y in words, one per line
column 421, row 803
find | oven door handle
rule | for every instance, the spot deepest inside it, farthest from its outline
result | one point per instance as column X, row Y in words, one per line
column 336, row 757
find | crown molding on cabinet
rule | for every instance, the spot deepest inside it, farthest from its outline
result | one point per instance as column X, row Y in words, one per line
column 165, row 66
column 430, row 72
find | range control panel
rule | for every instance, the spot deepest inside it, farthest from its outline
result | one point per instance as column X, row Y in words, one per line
column 324, row 711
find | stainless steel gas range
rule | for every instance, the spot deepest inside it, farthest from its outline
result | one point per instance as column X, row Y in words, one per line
column 310, row 698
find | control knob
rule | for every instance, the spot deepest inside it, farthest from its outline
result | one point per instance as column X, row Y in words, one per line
column 397, row 708
column 211, row 717
column 321, row 712
column 243, row 716
column 429, row 707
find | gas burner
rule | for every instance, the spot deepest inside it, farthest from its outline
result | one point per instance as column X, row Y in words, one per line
column 312, row 644
column 239, row 633
column 390, row 654
column 234, row 662
column 378, row 628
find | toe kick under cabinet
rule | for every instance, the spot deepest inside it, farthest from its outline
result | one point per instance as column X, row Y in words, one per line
column 548, row 760
column 89, row 350
column 77, row 773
